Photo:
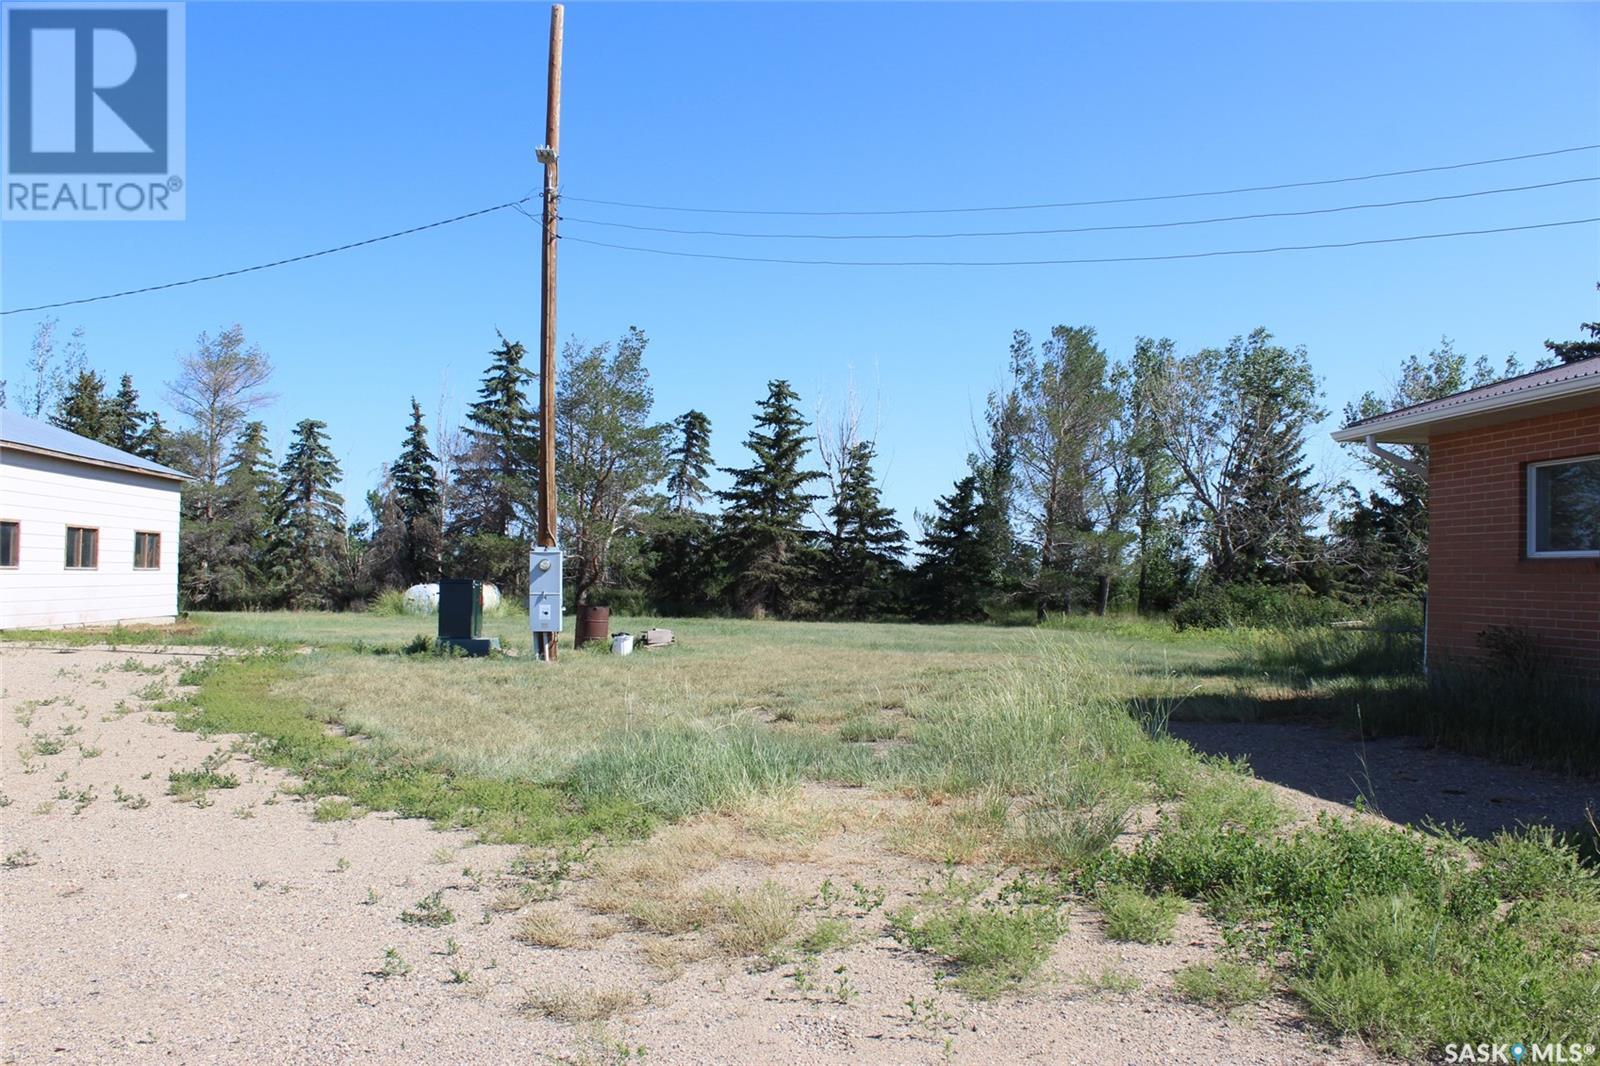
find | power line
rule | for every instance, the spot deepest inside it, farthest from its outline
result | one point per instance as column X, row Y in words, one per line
column 1095, row 203
column 274, row 263
column 1074, row 229
column 1072, row 262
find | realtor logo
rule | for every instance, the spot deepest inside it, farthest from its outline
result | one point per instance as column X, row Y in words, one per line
column 93, row 115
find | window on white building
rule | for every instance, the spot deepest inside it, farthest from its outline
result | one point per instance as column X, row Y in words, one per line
column 10, row 542
column 83, row 548
column 147, row 551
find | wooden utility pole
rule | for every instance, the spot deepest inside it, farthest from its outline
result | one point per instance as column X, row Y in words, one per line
column 547, row 294
column 545, row 643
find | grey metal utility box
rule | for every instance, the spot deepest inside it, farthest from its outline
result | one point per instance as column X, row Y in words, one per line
column 544, row 590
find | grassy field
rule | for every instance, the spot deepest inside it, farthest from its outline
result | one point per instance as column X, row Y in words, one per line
column 511, row 717
column 1016, row 756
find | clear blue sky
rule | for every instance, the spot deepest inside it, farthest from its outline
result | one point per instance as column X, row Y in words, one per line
column 313, row 124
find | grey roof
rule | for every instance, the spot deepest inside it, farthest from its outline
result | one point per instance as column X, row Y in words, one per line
column 30, row 434
column 1567, row 386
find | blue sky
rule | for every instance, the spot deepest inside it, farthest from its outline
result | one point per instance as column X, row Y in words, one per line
column 313, row 124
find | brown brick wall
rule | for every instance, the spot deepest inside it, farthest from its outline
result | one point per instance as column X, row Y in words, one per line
column 1478, row 571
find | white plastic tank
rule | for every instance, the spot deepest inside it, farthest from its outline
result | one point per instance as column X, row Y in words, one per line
column 491, row 597
column 424, row 599
column 622, row 644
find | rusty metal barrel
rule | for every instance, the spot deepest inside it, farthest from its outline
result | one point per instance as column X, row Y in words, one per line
column 594, row 623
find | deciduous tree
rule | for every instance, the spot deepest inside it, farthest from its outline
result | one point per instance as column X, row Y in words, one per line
column 610, row 455
column 1235, row 422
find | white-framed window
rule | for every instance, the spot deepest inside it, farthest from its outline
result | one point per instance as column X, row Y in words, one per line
column 1564, row 508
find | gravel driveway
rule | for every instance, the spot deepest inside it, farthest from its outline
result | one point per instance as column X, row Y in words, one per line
column 231, row 926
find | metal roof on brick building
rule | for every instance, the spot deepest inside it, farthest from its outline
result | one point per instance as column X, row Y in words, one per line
column 1569, row 387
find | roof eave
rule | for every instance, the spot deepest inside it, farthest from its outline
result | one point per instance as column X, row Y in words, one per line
column 164, row 474
column 1416, row 427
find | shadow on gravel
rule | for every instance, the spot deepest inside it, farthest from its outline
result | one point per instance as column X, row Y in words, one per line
column 1397, row 776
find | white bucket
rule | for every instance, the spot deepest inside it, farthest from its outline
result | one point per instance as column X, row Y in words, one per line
column 622, row 644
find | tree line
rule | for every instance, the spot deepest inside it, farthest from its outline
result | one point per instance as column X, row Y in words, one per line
column 1160, row 482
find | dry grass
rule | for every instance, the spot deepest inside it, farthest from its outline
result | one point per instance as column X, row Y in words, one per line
column 544, row 928
column 652, row 884
column 647, row 881
column 754, row 923
column 580, row 1004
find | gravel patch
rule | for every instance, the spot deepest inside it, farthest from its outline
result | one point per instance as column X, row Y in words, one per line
column 1397, row 777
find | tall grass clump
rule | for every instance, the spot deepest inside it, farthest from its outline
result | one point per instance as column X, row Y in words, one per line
column 389, row 603
column 1301, row 657
column 675, row 772
column 1242, row 605
column 1533, row 715
column 1050, row 756
column 1510, row 705
column 1053, row 724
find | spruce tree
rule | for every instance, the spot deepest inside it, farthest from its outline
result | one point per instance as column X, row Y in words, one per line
column 864, row 568
column 505, row 427
column 247, row 501
column 1379, row 541
column 995, row 467
column 493, row 494
column 416, row 493
column 309, row 541
column 954, row 576
column 83, row 408
column 690, row 458
column 681, row 552
column 1579, row 350
column 125, row 424
column 764, row 540
column 680, row 559
column 156, row 443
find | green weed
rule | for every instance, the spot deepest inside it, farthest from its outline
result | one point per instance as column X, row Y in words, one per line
column 995, row 949
column 333, row 809
column 1131, row 915
column 430, row 911
column 1224, row 985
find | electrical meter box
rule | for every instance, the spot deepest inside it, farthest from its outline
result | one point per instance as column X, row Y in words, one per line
column 544, row 590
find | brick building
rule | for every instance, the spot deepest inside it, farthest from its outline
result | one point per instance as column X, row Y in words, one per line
column 1514, row 511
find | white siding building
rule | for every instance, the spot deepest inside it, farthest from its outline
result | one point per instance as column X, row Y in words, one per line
column 88, row 533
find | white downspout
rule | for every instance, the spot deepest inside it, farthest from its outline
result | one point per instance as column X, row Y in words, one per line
column 1420, row 470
